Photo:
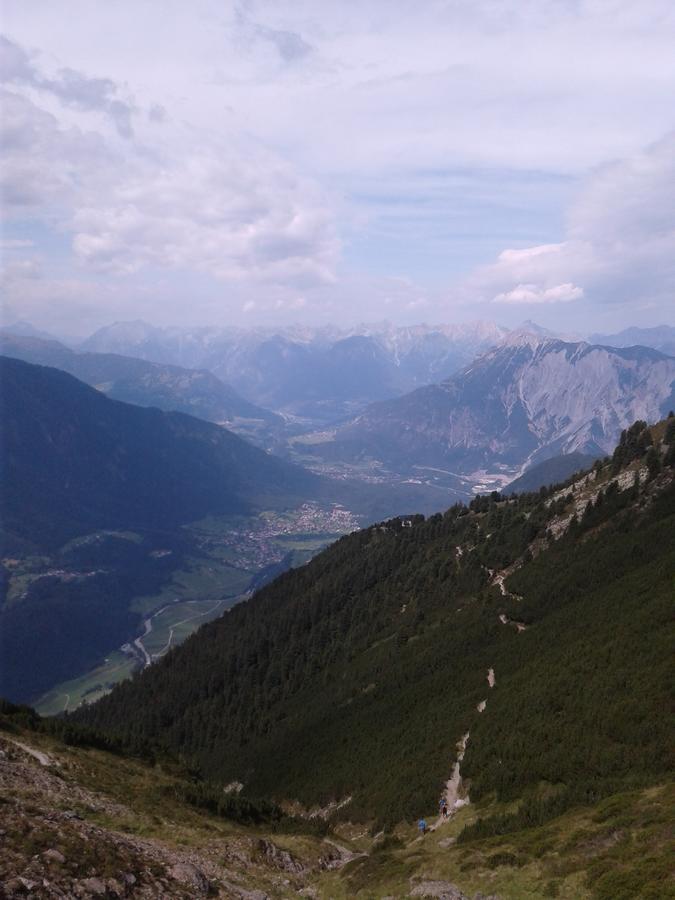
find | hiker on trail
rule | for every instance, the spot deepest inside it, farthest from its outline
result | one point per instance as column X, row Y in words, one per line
column 444, row 809
column 422, row 825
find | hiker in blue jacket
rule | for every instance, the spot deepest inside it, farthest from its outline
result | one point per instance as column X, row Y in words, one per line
column 422, row 825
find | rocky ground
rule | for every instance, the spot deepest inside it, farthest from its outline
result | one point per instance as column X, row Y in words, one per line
column 60, row 838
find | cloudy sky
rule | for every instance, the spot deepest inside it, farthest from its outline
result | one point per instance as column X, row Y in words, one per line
column 335, row 160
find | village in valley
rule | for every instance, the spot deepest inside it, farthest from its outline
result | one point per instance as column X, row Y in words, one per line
column 254, row 543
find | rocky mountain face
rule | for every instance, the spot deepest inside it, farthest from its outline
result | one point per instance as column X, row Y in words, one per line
column 78, row 822
column 317, row 373
column 523, row 401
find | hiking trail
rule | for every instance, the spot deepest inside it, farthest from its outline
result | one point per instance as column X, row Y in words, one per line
column 453, row 786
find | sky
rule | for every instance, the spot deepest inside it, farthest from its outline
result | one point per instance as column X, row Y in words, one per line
column 218, row 163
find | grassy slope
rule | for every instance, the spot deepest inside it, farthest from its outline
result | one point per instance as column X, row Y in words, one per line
column 612, row 850
column 617, row 849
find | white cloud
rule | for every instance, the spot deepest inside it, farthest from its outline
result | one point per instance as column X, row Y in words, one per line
column 45, row 167
column 619, row 247
column 232, row 217
column 528, row 253
column 233, row 145
column 531, row 293
column 216, row 204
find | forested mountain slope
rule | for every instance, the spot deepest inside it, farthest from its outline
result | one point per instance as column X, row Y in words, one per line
column 95, row 496
column 74, row 460
column 536, row 625
column 171, row 388
column 120, row 524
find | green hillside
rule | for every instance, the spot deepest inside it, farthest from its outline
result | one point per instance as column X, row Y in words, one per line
column 74, row 460
column 89, row 821
column 171, row 388
column 117, row 521
column 356, row 675
column 96, row 496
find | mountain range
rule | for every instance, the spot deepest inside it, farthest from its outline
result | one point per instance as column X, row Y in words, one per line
column 660, row 337
column 316, row 373
column 525, row 400
column 172, row 388
column 509, row 656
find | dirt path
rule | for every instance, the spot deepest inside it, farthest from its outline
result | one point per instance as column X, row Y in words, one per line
column 498, row 581
column 453, row 785
column 43, row 758
column 520, row 626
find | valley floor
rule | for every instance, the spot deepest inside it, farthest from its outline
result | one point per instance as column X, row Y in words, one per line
column 231, row 552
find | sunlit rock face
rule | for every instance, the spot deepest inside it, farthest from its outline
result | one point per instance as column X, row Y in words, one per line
column 525, row 400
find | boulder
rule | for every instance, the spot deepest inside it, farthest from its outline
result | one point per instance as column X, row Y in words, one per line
column 190, row 874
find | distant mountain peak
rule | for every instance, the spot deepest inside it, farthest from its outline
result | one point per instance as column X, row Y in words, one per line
column 532, row 328
column 25, row 329
column 522, row 337
column 658, row 337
